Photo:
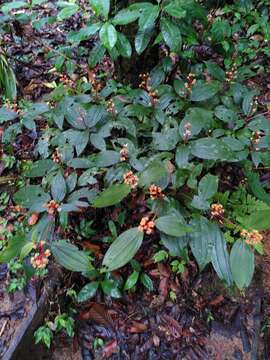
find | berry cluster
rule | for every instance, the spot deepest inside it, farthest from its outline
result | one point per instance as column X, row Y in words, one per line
column 155, row 192
column 252, row 237
column 52, row 207
column 111, row 107
column 56, row 157
column 217, row 212
column 124, row 155
column 231, row 74
column 147, row 226
column 190, row 81
column 41, row 258
column 131, row 179
column 187, row 131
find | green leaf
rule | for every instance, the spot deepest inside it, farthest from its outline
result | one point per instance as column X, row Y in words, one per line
column 198, row 202
column 107, row 158
column 110, row 288
column 30, row 195
column 68, row 11
column 152, row 174
column 40, row 168
column 242, row 264
column 88, row 291
column 204, row 91
column 208, row 186
column 15, row 245
column 131, row 280
column 111, row 196
column 220, row 256
column 199, row 118
column 148, row 16
column 123, row 249
column 171, row 35
column 13, row 5
column 256, row 187
column 211, row 149
column 123, row 46
column 58, row 188
column 84, row 34
column 70, row 257
column 182, row 155
column 226, row 115
column 100, row 7
column 26, row 249
column 96, row 54
column 147, row 282
column 215, row 70
column 142, row 39
column 172, row 226
column 175, row 245
column 108, row 35
column 125, row 16
column 7, row 115
column 175, row 9
column 258, row 220
column 202, row 241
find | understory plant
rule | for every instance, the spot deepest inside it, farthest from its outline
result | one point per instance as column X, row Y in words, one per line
column 174, row 155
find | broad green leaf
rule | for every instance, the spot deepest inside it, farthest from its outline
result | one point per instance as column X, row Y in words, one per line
column 147, row 282
column 58, row 188
column 175, row 9
column 182, row 155
column 100, row 7
column 171, row 35
column 96, row 54
column 68, row 11
column 211, row 149
column 220, row 256
column 167, row 140
column 70, row 257
column 256, row 187
column 95, row 114
column 26, row 249
column 199, row 119
column 123, row 46
column 174, row 244
column 202, row 240
column 142, row 39
column 198, row 202
column 111, row 196
column 172, row 226
column 215, row 70
column 13, row 249
column 87, row 292
column 123, row 249
column 208, row 186
column 131, row 280
column 125, row 16
column 258, row 220
column 107, row 158
column 110, row 288
column 7, row 115
column 247, row 103
column 84, row 33
column 152, row 174
column 242, row 264
column 30, row 195
column 204, row 91
column 148, row 16
column 40, row 168
column 13, row 5
column 226, row 115
column 108, row 35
